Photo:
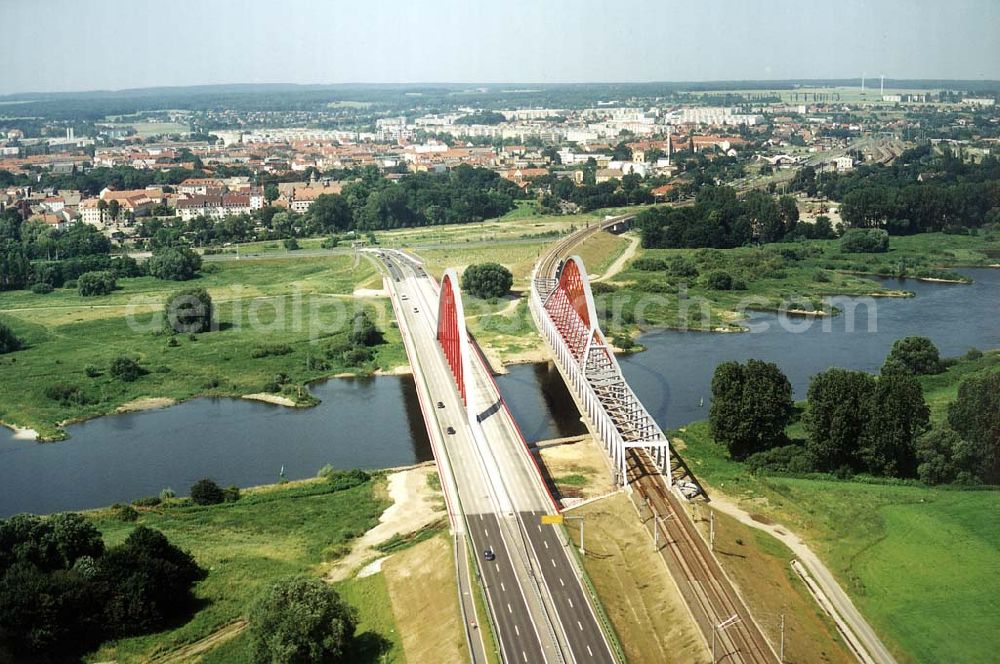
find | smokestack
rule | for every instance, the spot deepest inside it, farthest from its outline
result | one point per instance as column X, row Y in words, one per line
column 669, row 145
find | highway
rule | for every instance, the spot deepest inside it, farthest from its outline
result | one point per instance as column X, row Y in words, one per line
column 540, row 609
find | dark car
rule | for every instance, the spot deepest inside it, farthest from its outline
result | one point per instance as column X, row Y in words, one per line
column 489, row 555
column 440, row 404
column 450, row 430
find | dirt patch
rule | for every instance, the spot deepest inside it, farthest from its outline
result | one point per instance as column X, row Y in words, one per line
column 760, row 518
column 23, row 433
column 370, row 292
column 192, row 651
column 270, row 398
column 421, row 583
column 145, row 403
column 578, row 470
column 620, row 262
column 414, row 505
column 638, row 594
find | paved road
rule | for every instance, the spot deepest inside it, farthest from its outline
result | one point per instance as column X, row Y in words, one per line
column 541, row 610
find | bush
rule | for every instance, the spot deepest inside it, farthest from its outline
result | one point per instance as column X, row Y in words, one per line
column 70, row 284
column 973, row 354
column 231, row 494
column 682, row 267
column 147, row 501
column 68, row 395
column 487, row 280
column 329, row 243
column 864, row 241
column 357, row 356
column 341, row 480
column 42, row 288
column 364, row 332
column 719, row 280
column 207, row 492
column 291, row 244
column 174, row 264
column 623, row 341
column 9, row 342
column 648, row 264
column 189, row 311
column 96, row 283
column 166, row 494
column 125, row 513
column 125, row 369
column 913, row 356
column 783, row 459
column 91, row 371
column 268, row 350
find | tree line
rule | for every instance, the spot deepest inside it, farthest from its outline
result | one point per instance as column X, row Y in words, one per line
column 857, row 423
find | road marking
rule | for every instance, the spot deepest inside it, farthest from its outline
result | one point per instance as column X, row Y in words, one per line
column 498, row 567
column 561, row 583
column 524, row 656
column 570, row 599
column 580, row 625
column 517, row 631
column 545, row 543
column 591, row 652
column 509, row 610
column 539, row 527
column 553, row 561
column 485, row 533
column 503, row 587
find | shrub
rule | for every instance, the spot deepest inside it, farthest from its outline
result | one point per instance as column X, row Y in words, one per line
column 125, row 513
column 207, row 492
column 174, row 264
column 682, row 267
column 70, row 284
column 68, row 395
column 41, row 288
column 9, row 342
column 487, row 280
column 329, row 243
column 341, row 480
column 91, row 371
column 268, row 350
column 147, row 501
column 364, row 332
column 189, row 311
column 291, row 244
column 231, row 494
column 166, row 494
column 357, row 355
column 125, row 369
column 96, row 283
column 649, row 264
column 783, row 459
column 623, row 341
column 973, row 354
column 864, row 241
column 719, row 280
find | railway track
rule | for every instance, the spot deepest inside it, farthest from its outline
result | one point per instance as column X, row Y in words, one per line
column 556, row 252
column 702, row 583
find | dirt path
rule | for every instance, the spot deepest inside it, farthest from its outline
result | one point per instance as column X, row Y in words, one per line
column 192, row 651
column 849, row 615
column 620, row 262
column 414, row 505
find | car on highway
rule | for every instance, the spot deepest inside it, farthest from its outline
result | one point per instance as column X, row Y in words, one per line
column 451, row 430
column 489, row 555
column 440, row 404
column 404, row 296
column 415, row 310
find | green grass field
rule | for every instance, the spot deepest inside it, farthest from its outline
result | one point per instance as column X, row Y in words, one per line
column 918, row 561
column 299, row 302
column 270, row 533
column 798, row 274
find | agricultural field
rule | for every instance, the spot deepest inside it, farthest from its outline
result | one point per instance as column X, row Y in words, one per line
column 918, row 561
column 302, row 304
column 270, row 533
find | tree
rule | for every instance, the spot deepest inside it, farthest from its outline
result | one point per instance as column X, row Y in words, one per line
column 487, row 280
column 298, row 621
column 114, row 209
column 9, row 342
column 96, row 283
column 897, row 414
column 751, row 406
column 943, row 457
column 330, row 213
column 364, row 332
column 189, row 311
column 125, row 369
column 838, row 403
column 719, row 280
column 912, row 356
column 975, row 416
column 207, row 492
column 174, row 264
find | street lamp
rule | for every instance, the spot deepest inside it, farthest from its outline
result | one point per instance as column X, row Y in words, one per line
column 728, row 622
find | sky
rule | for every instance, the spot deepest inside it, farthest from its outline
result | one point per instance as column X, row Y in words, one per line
column 61, row 45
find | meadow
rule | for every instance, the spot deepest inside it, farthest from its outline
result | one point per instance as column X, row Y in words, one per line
column 295, row 305
column 270, row 533
column 918, row 561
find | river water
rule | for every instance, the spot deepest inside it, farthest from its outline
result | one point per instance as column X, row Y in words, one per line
column 376, row 422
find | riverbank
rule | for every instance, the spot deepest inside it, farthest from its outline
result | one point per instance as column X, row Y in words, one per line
column 61, row 376
column 915, row 560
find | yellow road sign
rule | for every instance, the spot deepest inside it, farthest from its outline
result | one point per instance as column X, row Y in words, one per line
column 552, row 519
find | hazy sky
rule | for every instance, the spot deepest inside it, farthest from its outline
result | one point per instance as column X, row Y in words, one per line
column 114, row 44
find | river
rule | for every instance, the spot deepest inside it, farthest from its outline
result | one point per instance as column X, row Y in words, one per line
column 376, row 422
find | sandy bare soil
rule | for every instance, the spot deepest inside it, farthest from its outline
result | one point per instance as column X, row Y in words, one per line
column 414, row 505
column 145, row 403
column 579, row 469
column 270, row 398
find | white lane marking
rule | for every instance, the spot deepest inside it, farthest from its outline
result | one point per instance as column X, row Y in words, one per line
column 539, row 527
column 570, row 600
column 511, row 611
column 503, row 587
column 525, row 657
column 485, row 533
column 517, row 631
column 553, row 561
column 545, row 543
column 580, row 625
column 561, row 583
column 481, row 517
column 591, row 652
column 498, row 568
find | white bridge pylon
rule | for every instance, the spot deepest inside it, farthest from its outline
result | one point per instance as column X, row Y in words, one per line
column 563, row 305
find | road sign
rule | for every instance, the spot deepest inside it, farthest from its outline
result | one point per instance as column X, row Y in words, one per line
column 552, row 519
